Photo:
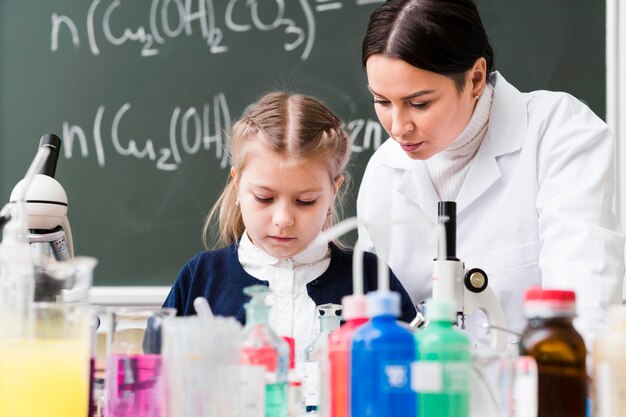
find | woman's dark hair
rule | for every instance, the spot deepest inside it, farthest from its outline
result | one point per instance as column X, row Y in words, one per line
column 441, row 36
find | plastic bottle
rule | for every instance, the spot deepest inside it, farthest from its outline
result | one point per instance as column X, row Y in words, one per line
column 316, row 366
column 264, row 360
column 355, row 313
column 551, row 339
column 442, row 373
column 382, row 355
column 609, row 367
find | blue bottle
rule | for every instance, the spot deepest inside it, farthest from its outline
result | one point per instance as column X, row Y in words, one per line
column 383, row 353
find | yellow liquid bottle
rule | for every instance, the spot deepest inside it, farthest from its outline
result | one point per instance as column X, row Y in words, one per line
column 44, row 378
column 45, row 357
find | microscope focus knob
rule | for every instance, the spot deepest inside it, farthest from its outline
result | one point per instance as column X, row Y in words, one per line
column 475, row 280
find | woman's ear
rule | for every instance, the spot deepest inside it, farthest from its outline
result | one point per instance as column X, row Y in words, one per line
column 478, row 77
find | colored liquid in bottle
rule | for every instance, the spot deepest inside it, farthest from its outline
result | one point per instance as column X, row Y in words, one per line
column 276, row 399
column 380, row 364
column 47, row 377
column 559, row 350
column 264, row 359
column 562, row 391
column 276, row 396
column 134, row 386
column 339, row 357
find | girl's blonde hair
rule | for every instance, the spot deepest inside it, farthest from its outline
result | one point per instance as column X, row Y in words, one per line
column 296, row 127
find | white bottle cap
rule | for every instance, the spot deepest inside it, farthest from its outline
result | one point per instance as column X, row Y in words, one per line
column 381, row 303
column 354, row 307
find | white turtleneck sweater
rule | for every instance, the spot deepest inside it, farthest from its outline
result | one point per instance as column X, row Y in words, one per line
column 449, row 168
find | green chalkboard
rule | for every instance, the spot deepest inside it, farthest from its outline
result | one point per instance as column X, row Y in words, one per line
column 142, row 92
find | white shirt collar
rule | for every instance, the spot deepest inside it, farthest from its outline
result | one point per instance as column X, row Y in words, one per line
column 315, row 252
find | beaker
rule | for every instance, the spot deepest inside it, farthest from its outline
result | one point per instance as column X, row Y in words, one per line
column 45, row 355
column 201, row 366
column 65, row 282
column 133, row 381
column 492, row 380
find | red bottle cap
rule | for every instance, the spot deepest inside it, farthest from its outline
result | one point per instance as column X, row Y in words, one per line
column 549, row 302
column 538, row 293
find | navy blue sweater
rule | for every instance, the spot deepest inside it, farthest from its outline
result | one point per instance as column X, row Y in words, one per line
column 219, row 277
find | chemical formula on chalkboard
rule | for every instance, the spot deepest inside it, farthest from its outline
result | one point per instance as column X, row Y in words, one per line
column 169, row 19
column 190, row 132
column 149, row 26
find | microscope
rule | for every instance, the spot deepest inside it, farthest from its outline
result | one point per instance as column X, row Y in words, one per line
column 468, row 289
column 46, row 208
column 36, row 228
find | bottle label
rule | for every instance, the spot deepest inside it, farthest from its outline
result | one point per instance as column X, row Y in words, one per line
column 396, row 377
column 525, row 387
column 252, row 390
column 311, row 384
column 436, row 377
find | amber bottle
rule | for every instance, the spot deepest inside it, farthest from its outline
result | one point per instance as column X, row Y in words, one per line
column 559, row 350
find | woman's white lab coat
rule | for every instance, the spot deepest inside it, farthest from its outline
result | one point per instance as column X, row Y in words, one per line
column 535, row 208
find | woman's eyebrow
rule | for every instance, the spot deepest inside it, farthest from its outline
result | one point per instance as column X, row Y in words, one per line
column 410, row 96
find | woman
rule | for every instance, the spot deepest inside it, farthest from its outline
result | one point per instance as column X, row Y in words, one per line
column 532, row 173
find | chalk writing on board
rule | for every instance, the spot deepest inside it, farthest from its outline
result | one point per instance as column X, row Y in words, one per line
column 191, row 131
column 170, row 19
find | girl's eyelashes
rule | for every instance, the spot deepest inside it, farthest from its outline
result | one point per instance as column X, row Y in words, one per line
column 264, row 200
column 306, row 203
column 268, row 200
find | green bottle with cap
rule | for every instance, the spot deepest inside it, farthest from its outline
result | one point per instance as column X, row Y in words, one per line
column 441, row 375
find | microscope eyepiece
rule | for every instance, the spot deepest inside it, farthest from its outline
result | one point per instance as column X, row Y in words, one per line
column 446, row 215
column 53, row 142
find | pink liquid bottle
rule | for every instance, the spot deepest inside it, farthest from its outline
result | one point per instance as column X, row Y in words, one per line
column 355, row 313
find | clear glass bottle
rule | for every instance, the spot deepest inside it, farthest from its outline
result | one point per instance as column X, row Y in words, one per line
column 609, row 367
column 315, row 379
column 559, row 350
column 264, row 360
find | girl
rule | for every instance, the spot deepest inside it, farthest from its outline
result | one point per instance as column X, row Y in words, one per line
column 289, row 157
